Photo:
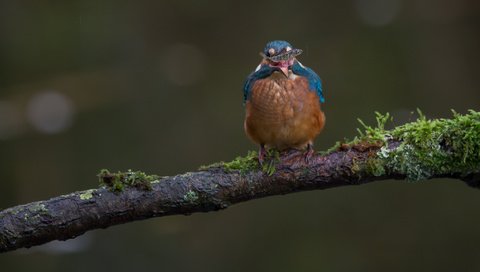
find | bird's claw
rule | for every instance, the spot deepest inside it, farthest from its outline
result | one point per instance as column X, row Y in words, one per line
column 309, row 154
column 261, row 155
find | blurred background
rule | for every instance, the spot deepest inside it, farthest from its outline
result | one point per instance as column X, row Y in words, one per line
column 157, row 86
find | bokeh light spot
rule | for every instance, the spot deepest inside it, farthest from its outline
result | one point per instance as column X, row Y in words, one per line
column 50, row 112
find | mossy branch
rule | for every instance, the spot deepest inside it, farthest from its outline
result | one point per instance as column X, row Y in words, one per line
column 420, row 150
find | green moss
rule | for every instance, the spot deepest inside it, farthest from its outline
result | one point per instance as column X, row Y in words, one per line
column 244, row 164
column 368, row 136
column 249, row 163
column 190, row 197
column 38, row 208
column 435, row 147
column 356, row 167
column 86, row 195
column 427, row 148
column 241, row 164
column 272, row 159
column 210, row 166
column 334, row 148
column 117, row 182
column 35, row 211
column 375, row 167
column 376, row 133
column 15, row 210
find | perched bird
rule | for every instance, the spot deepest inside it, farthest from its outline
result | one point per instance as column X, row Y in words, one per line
column 282, row 99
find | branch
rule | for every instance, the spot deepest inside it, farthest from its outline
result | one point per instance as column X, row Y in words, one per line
column 424, row 149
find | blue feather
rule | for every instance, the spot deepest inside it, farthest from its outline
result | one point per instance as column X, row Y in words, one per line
column 314, row 81
column 277, row 45
column 264, row 71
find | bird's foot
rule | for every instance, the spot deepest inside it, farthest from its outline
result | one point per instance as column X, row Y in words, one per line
column 261, row 154
column 309, row 153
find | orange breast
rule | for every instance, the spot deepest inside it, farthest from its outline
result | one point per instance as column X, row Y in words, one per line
column 283, row 113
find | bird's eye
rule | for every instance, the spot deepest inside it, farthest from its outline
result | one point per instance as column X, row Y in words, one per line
column 288, row 49
column 271, row 51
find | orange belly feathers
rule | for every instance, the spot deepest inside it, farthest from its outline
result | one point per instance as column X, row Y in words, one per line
column 283, row 113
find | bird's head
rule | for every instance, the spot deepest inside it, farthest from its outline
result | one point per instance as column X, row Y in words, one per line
column 280, row 54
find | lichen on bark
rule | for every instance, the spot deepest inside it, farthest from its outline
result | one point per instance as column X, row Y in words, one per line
column 423, row 148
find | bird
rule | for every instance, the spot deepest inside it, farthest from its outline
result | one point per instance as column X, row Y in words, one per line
column 282, row 100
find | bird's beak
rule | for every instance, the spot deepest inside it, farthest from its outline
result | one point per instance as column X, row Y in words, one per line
column 286, row 57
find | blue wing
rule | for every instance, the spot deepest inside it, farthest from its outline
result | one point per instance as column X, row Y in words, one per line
column 264, row 71
column 314, row 81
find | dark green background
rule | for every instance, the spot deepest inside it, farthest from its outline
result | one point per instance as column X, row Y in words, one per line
column 156, row 86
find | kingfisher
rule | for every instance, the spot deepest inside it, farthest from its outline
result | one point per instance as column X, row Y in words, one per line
column 282, row 99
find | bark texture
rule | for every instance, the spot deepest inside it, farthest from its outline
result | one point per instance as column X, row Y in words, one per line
column 211, row 189
column 418, row 150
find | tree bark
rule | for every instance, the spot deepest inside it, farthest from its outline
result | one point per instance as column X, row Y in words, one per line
column 450, row 149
